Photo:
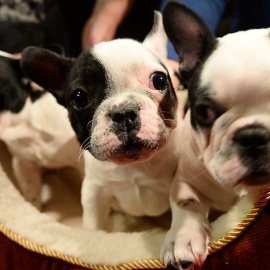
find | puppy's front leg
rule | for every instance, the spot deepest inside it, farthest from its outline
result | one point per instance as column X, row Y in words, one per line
column 95, row 204
column 186, row 241
column 28, row 177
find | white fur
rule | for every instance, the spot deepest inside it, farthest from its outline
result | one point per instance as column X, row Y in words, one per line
column 59, row 226
column 153, row 128
column 137, row 187
column 240, row 56
column 237, row 76
column 39, row 136
column 117, row 57
column 93, row 247
column 243, row 84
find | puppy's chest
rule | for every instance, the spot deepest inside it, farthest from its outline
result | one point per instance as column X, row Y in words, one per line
column 139, row 195
column 134, row 191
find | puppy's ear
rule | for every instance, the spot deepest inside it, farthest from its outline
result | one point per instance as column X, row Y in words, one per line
column 15, row 65
column 57, row 48
column 189, row 35
column 48, row 69
column 156, row 40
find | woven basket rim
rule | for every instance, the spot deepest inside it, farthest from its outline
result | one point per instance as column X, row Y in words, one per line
column 250, row 217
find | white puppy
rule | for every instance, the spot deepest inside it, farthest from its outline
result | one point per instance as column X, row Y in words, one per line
column 123, row 109
column 35, row 129
column 225, row 142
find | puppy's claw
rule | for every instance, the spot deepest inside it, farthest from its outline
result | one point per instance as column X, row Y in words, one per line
column 185, row 264
column 176, row 266
column 172, row 266
column 183, row 250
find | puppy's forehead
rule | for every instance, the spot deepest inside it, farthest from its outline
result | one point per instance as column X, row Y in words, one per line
column 239, row 69
column 126, row 56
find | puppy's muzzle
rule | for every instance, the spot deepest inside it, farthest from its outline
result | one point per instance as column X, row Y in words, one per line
column 252, row 144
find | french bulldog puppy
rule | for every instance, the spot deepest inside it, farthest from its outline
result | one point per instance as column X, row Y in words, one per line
column 225, row 141
column 35, row 129
column 123, row 108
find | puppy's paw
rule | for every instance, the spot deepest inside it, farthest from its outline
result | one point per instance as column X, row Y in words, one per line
column 185, row 247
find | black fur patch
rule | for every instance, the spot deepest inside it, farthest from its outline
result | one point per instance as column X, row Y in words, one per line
column 93, row 79
column 14, row 87
column 198, row 93
column 168, row 105
column 195, row 94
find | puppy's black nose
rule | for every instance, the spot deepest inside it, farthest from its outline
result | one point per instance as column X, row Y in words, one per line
column 125, row 117
column 252, row 140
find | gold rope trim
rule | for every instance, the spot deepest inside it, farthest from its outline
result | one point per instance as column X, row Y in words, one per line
column 144, row 264
column 241, row 226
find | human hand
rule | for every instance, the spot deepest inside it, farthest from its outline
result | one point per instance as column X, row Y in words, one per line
column 104, row 21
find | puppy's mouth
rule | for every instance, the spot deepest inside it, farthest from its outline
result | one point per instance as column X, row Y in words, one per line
column 133, row 151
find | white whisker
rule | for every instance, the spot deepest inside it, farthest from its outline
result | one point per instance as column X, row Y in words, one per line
column 83, row 146
column 200, row 173
column 89, row 123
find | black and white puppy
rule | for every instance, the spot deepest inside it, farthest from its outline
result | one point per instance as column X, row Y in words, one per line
column 226, row 133
column 123, row 108
column 29, row 127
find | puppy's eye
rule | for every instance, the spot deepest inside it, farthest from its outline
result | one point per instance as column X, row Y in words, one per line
column 79, row 99
column 205, row 114
column 159, row 81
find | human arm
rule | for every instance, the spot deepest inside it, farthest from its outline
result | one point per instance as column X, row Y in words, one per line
column 102, row 25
